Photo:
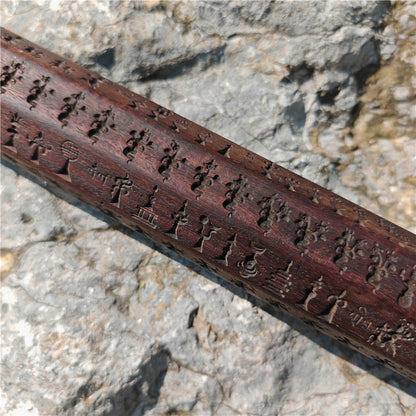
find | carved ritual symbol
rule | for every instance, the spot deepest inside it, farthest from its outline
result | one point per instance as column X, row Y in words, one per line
column 306, row 235
column 203, row 138
column 137, row 140
column 161, row 112
column 337, row 302
column 120, row 188
column 70, row 151
column 227, row 250
column 383, row 264
column 206, row 232
column 347, row 249
column 38, row 144
column 102, row 123
column 405, row 300
column 280, row 280
column 10, row 75
column 269, row 168
column 72, row 107
column 152, row 197
column 268, row 213
column 180, row 218
column 204, row 177
column 312, row 293
column 237, row 193
column 14, row 120
column 171, row 161
column 39, row 90
column 248, row 266
column 387, row 337
column 97, row 174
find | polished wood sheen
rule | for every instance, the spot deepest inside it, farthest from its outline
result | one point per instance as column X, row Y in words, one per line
column 282, row 238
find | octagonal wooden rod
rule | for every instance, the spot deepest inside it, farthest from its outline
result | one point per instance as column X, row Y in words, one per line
column 282, row 238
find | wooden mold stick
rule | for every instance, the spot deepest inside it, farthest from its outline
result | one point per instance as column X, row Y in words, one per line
column 282, row 238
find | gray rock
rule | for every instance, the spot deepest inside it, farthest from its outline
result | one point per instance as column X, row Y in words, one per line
column 97, row 322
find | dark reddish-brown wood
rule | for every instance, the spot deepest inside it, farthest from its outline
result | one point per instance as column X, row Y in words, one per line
column 282, row 238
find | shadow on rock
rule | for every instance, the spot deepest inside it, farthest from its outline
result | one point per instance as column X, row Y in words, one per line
column 141, row 393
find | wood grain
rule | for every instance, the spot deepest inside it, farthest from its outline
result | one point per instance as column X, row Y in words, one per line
column 282, row 238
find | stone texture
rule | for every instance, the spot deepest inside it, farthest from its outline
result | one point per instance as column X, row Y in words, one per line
column 95, row 321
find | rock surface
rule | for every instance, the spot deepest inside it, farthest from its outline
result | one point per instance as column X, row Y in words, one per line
column 95, row 321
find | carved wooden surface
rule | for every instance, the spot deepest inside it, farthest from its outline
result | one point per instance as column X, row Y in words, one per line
column 282, row 238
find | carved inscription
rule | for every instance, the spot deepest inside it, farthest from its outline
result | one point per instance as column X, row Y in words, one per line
column 312, row 293
column 180, row 218
column 14, row 122
column 39, row 146
column 152, row 197
column 120, row 188
column 171, row 161
column 248, row 266
column 237, row 194
column 269, row 214
column 204, row 177
column 407, row 297
column 96, row 173
column 72, row 107
column 386, row 336
column 179, row 124
column 360, row 318
column 161, row 112
column 338, row 301
column 147, row 216
column 280, row 281
column 206, row 232
column 348, row 249
column 39, row 90
column 381, row 267
column 226, row 151
column 102, row 123
column 137, row 103
column 58, row 63
column 10, row 75
column 93, row 81
column 227, row 250
column 137, row 141
column 308, row 234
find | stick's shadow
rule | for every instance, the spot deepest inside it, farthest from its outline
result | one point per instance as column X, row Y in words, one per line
column 331, row 345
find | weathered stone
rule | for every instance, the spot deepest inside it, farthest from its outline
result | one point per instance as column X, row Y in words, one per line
column 95, row 321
